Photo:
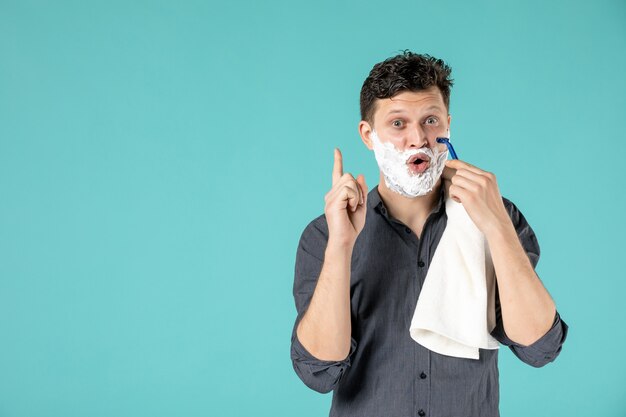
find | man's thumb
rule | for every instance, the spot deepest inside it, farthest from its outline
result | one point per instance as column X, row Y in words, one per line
column 361, row 181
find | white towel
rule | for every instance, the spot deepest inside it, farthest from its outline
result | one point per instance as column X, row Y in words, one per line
column 455, row 311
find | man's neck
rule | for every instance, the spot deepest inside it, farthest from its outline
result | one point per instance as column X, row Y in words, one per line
column 410, row 211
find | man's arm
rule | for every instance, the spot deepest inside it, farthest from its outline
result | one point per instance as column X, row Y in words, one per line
column 547, row 347
column 528, row 313
column 322, row 283
column 321, row 342
column 542, row 351
column 326, row 327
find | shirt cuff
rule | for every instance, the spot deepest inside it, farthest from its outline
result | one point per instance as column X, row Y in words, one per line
column 319, row 375
column 334, row 368
column 546, row 348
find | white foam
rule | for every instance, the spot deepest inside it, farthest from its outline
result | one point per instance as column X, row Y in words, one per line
column 398, row 177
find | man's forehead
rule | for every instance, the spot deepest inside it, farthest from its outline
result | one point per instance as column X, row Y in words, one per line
column 431, row 107
column 401, row 105
column 431, row 98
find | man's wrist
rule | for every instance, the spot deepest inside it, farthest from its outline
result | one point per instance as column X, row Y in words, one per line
column 500, row 229
column 339, row 247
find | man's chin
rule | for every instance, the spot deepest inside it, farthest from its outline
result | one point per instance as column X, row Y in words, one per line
column 398, row 189
column 425, row 193
column 434, row 188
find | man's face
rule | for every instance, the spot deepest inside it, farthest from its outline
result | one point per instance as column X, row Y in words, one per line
column 407, row 126
column 411, row 120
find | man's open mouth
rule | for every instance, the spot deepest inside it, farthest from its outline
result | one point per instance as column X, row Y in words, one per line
column 418, row 163
column 418, row 158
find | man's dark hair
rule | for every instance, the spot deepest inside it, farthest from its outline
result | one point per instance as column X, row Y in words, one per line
column 405, row 72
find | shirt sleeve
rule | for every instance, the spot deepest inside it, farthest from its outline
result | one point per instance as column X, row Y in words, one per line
column 319, row 375
column 548, row 346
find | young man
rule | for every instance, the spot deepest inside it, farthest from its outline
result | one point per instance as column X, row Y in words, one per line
column 361, row 265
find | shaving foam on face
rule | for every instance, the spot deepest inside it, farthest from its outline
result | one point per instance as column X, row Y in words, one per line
column 398, row 178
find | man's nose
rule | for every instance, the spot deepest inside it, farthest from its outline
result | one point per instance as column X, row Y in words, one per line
column 416, row 138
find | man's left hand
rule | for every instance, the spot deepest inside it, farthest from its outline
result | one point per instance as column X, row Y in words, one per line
column 478, row 191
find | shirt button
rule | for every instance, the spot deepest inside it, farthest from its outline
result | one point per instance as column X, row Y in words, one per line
column 408, row 229
column 420, row 264
column 383, row 210
column 421, row 412
column 423, row 375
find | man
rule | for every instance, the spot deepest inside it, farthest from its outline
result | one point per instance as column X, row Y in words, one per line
column 361, row 265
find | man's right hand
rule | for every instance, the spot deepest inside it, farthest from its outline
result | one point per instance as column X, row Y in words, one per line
column 346, row 205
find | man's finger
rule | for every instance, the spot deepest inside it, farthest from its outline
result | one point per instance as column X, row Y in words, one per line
column 458, row 164
column 338, row 166
column 466, row 173
column 349, row 195
column 363, row 187
column 345, row 181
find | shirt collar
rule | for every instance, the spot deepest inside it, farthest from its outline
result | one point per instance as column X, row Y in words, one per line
column 375, row 202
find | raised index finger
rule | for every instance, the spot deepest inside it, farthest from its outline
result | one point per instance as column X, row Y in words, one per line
column 338, row 166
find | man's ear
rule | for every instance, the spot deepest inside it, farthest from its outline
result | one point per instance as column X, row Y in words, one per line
column 365, row 130
column 449, row 119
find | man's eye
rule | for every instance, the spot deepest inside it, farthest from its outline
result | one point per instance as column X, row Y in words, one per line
column 397, row 123
column 431, row 120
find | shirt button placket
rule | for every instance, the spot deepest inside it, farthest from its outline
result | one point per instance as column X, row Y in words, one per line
column 423, row 366
column 422, row 373
column 424, row 389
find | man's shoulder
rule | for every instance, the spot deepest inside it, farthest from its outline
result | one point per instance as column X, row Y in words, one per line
column 514, row 212
column 508, row 203
column 312, row 244
column 318, row 227
column 525, row 232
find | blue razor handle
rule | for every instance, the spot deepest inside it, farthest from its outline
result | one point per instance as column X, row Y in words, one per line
column 449, row 145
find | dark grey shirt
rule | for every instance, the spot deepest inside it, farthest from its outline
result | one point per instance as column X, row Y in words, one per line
column 387, row 373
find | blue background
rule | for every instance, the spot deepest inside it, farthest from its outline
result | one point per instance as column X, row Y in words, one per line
column 159, row 161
